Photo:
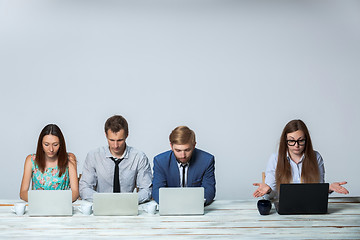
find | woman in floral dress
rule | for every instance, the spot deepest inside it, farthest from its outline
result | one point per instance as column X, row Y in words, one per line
column 51, row 168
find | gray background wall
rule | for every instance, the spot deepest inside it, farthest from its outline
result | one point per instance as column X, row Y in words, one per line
column 234, row 71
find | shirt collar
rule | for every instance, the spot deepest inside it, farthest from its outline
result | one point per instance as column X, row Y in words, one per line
column 108, row 153
column 289, row 158
column 186, row 164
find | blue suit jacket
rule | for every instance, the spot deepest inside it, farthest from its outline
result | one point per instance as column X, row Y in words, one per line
column 201, row 173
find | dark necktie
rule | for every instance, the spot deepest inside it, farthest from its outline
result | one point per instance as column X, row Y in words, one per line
column 116, row 186
column 183, row 174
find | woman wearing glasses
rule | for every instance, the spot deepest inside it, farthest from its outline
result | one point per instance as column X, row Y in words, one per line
column 296, row 162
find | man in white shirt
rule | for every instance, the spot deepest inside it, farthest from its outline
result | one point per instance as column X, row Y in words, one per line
column 116, row 167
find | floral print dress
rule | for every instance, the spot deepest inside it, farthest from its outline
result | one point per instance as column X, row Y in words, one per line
column 49, row 180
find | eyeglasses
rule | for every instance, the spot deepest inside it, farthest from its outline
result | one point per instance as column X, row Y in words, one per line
column 300, row 142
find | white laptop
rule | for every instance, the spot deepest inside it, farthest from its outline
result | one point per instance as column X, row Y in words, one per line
column 115, row 204
column 50, row 203
column 181, row 201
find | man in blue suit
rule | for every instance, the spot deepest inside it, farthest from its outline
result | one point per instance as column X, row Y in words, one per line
column 184, row 165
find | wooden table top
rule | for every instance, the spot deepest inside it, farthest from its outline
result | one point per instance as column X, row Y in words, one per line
column 224, row 219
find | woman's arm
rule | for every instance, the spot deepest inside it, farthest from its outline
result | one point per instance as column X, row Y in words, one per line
column 25, row 183
column 74, row 183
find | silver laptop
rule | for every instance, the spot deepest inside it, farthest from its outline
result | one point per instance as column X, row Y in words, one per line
column 50, row 203
column 181, row 201
column 115, row 204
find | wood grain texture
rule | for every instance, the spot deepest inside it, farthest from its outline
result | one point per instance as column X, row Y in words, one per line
column 222, row 220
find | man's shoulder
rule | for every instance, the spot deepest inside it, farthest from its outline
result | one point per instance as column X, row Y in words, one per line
column 163, row 155
column 97, row 150
column 135, row 152
column 202, row 154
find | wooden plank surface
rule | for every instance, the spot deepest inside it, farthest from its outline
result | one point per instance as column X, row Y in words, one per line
column 222, row 220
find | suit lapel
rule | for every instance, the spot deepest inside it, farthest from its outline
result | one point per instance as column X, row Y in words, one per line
column 174, row 170
column 191, row 169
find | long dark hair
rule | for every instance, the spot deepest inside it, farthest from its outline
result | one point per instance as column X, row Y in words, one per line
column 310, row 169
column 52, row 129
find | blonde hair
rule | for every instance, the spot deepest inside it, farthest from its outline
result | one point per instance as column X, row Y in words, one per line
column 182, row 135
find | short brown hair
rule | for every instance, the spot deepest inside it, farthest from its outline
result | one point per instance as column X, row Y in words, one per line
column 116, row 123
column 182, row 135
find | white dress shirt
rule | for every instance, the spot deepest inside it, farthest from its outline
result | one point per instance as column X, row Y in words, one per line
column 98, row 172
column 296, row 169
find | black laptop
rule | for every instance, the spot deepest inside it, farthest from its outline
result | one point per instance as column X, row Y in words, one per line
column 303, row 198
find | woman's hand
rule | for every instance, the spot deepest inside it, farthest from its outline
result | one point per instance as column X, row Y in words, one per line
column 336, row 187
column 261, row 190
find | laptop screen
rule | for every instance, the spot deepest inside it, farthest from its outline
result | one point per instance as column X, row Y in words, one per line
column 303, row 198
